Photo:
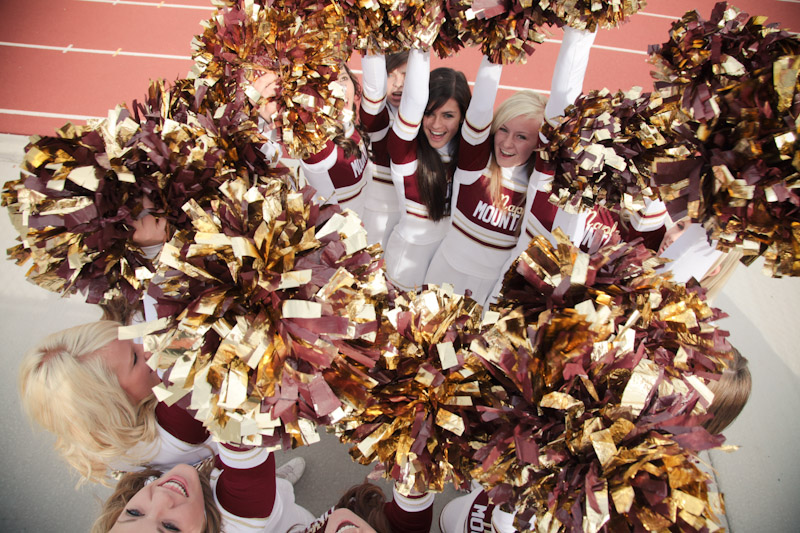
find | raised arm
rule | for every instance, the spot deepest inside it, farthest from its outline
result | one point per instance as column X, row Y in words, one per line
column 478, row 121
column 570, row 69
column 373, row 112
column 476, row 150
column 415, row 95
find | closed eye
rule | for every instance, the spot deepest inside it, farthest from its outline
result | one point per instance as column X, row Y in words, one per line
column 169, row 526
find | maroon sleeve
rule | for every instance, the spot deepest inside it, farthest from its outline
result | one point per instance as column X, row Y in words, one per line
column 329, row 147
column 248, row 493
column 180, row 424
column 408, row 522
column 373, row 123
column 474, row 158
column 652, row 239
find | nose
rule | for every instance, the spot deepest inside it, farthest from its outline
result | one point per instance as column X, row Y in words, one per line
column 164, row 499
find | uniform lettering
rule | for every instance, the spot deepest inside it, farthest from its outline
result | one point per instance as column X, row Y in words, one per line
column 507, row 218
column 593, row 228
column 358, row 165
column 477, row 518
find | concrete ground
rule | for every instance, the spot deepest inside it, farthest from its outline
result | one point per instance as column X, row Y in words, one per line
column 761, row 481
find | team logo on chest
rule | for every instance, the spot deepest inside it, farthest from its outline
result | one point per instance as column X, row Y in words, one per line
column 506, row 216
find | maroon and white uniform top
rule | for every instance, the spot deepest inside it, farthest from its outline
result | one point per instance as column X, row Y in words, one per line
column 377, row 117
column 179, row 439
column 474, row 513
column 600, row 226
column 414, row 223
column 415, row 238
column 483, row 230
column 339, row 179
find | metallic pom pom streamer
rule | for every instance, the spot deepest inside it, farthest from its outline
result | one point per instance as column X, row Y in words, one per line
column 736, row 80
column 302, row 42
column 272, row 299
column 421, row 418
column 605, row 364
column 80, row 192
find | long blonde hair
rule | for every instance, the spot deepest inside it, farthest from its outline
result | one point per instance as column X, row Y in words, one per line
column 719, row 273
column 528, row 104
column 79, row 399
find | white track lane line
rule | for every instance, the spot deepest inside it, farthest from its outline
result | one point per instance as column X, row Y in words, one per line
column 44, row 114
column 208, row 8
column 70, row 48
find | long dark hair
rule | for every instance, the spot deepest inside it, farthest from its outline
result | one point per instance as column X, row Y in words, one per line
column 433, row 176
column 350, row 147
column 394, row 61
column 367, row 501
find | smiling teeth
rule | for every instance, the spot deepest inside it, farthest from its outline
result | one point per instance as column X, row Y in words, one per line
column 346, row 527
column 178, row 484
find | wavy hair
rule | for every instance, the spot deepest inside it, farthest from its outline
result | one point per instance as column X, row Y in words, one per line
column 731, row 392
column 133, row 482
column 528, row 104
column 79, row 399
column 433, row 176
column 349, row 147
column 367, row 501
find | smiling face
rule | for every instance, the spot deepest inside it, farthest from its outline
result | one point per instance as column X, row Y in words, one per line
column 441, row 125
column 346, row 521
column 394, row 88
column 127, row 361
column 515, row 141
column 173, row 502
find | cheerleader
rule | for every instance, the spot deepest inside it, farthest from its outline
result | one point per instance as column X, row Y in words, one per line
column 693, row 256
column 422, row 166
column 384, row 79
column 598, row 226
column 490, row 184
column 93, row 391
column 339, row 172
column 243, row 495
column 540, row 216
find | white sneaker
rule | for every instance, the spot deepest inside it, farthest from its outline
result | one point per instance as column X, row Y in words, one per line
column 292, row 470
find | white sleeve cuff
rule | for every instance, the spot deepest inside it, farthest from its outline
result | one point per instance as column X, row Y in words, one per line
column 415, row 90
column 481, row 106
column 413, row 504
column 243, row 459
column 374, row 82
column 502, row 522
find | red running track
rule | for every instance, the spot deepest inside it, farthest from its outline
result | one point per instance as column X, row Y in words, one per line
column 69, row 60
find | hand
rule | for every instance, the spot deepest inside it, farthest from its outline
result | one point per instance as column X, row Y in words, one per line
column 267, row 85
column 149, row 230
